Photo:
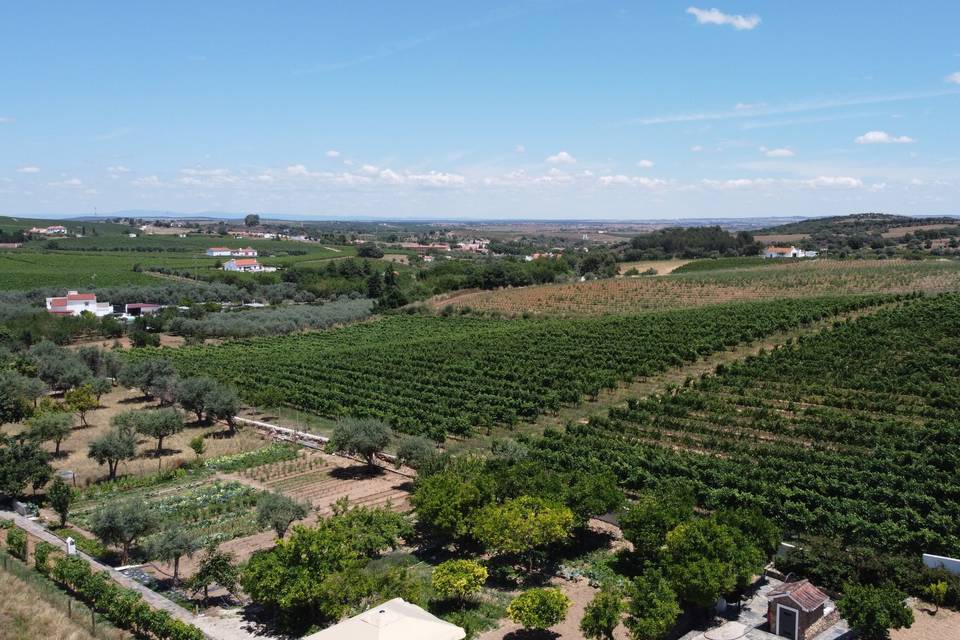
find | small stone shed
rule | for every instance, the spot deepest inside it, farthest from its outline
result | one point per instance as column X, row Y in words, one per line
column 793, row 608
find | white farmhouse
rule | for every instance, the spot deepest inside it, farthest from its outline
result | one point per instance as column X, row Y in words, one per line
column 73, row 304
column 246, row 265
column 214, row 252
column 787, row 252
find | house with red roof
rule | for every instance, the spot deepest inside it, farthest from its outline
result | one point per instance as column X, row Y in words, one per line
column 246, row 265
column 74, row 303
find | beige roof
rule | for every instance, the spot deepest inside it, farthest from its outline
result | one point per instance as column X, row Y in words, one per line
column 395, row 619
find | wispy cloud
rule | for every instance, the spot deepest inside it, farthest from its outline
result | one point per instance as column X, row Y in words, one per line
column 797, row 107
column 789, row 122
column 645, row 164
column 953, row 78
column 715, row 16
column 74, row 183
column 332, row 153
column 30, row 168
column 882, row 137
column 782, row 152
column 7, row 119
column 113, row 135
column 395, row 47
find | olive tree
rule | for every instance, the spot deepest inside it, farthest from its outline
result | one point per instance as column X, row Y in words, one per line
column 116, row 445
column 121, row 523
column 364, row 437
column 277, row 511
column 171, row 545
column 51, row 426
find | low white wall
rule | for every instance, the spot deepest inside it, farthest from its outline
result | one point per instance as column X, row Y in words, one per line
column 937, row 562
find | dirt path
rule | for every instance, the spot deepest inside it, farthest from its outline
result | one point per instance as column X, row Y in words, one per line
column 944, row 625
column 650, row 386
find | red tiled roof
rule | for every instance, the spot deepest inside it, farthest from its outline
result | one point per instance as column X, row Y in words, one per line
column 141, row 305
column 58, row 302
column 219, row 249
column 803, row 593
column 246, row 262
column 81, row 296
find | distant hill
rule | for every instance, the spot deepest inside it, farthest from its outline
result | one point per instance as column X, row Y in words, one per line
column 855, row 223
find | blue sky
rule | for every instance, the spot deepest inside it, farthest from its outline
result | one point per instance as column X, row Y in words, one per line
column 524, row 109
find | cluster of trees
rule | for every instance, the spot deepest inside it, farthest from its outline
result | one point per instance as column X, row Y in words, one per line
column 320, row 573
column 690, row 242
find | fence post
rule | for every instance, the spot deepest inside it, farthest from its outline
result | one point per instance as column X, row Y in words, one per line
column 70, row 607
column 93, row 620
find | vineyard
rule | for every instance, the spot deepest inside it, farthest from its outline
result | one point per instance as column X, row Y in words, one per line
column 705, row 282
column 851, row 433
column 435, row 374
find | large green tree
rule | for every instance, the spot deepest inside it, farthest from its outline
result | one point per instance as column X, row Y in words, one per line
column 51, row 426
column 22, row 462
column 277, row 511
column 144, row 374
column 122, row 522
column 364, row 437
column 522, row 526
column 159, row 424
column 646, row 521
column 653, row 607
column 446, row 501
column 60, row 496
column 192, row 394
column 872, row 611
column 116, row 445
column 705, row 560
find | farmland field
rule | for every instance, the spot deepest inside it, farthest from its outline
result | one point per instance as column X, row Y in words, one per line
column 850, row 433
column 437, row 374
column 691, row 287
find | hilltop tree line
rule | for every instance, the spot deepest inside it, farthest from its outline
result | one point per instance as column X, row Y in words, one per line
column 690, row 242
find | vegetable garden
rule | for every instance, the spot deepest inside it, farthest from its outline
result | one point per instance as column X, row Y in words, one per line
column 435, row 375
column 851, row 433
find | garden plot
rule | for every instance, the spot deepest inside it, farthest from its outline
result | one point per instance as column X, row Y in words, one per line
column 213, row 510
column 321, row 480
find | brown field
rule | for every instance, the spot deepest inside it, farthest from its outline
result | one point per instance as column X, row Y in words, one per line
column 662, row 267
column 945, row 625
column 793, row 280
column 25, row 615
column 899, row 232
column 73, row 450
column 783, row 237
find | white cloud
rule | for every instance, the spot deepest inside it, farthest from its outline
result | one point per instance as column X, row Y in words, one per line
column 782, row 152
column 117, row 171
column 297, row 170
column 69, row 182
column 882, row 137
column 745, row 106
column 645, row 164
column 631, row 181
column 842, row 182
column 561, row 158
column 520, row 148
column 147, row 181
column 953, row 78
column 715, row 16
column 30, row 168
column 696, row 148
column 7, row 120
column 332, row 153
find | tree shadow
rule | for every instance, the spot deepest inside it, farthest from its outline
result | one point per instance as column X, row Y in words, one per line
column 135, row 400
column 361, row 472
column 223, row 434
column 531, row 634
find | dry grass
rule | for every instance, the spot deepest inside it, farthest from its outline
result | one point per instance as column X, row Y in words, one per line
column 899, row 232
column 25, row 615
column 73, row 450
column 782, row 237
column 662, row 267
column 945, row 625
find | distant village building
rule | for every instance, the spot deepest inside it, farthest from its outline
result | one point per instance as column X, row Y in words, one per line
column 248, row 252
column 475, row 246
column 423, row 248
column 74, row 303
column 794, row 608
column 141, row 308
column 787, row 252
column 246, row 265
column 55, row 230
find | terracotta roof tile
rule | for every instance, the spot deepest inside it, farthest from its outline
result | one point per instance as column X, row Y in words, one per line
column 802, row 592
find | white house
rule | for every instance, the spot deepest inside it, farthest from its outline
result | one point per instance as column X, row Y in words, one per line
column 55, row 230
column 246, row 265
column 73, row 304
column 248, row 252
column 214, row 252
column 395, row 619
column 787, row 252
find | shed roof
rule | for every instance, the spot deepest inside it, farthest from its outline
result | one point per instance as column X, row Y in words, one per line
column 802, row 592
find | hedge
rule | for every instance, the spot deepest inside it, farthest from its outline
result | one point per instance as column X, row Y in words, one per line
column 17, row 543
column 123, row 607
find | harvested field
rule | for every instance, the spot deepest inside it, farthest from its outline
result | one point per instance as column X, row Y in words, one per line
column 662, row 267
column 698, row 289
column 782, row 237
column 899, row 232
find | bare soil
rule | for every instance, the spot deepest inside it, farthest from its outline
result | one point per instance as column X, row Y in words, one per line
column 944, row 625
column 73, row 450
column 662, row 267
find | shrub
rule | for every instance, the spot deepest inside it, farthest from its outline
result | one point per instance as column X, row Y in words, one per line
column 459, row 579
column 17, row 542
column 539, row 608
